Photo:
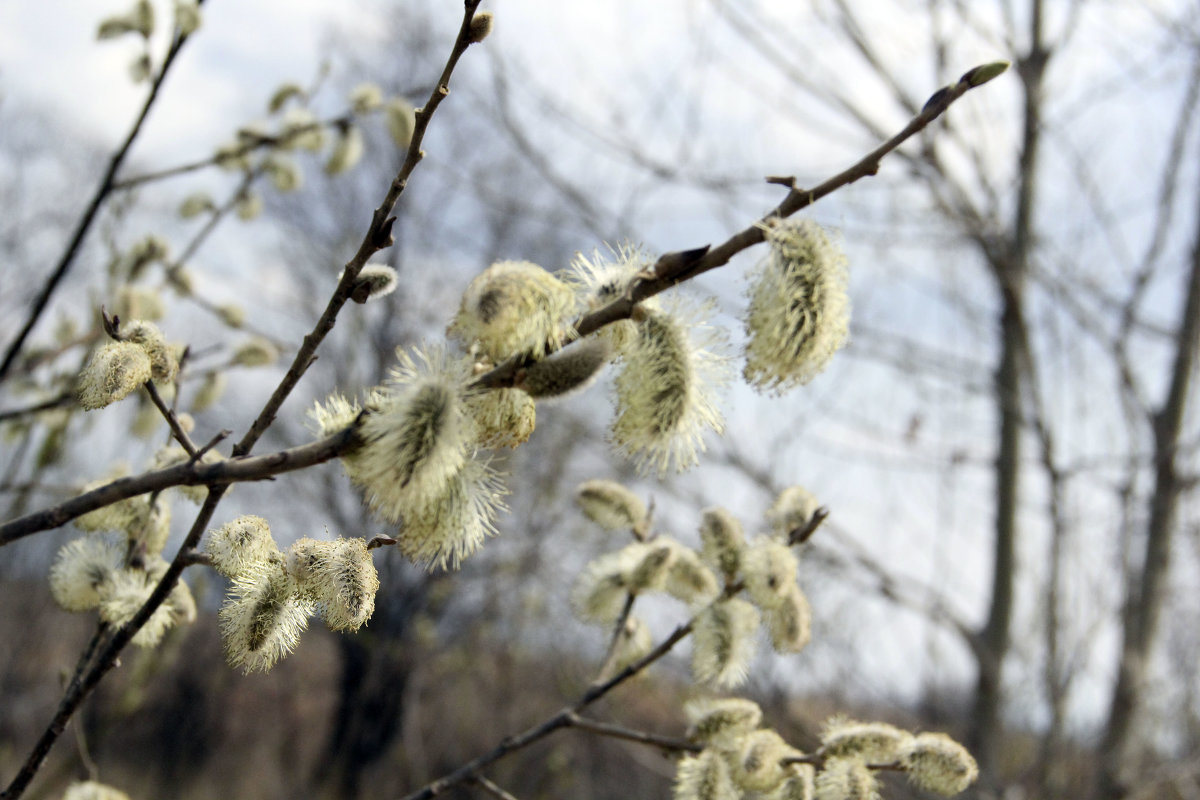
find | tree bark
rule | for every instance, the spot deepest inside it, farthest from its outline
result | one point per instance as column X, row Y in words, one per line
column 1144, row 593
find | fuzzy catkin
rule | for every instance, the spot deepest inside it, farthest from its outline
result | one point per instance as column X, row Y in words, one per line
column 665, row 398
column 799, row 311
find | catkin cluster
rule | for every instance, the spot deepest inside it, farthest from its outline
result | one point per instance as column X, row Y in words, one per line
column 739, row 758
column 734, row 586
column 273, row 593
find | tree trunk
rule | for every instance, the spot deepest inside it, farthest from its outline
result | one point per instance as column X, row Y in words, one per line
column 1144, row 594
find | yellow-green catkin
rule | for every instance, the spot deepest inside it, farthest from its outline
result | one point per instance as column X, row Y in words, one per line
column 373, row 282
column 164, row 364
column 610, row 505
column 210, row 391
column 798, row 783
column 262, row 617
column 722, row 541
column 600, row 590
column 283, row 94
column 846, row 779
column 721, row 721
column 503, row 418
column 704, row 777
column 665, row 393
column 723, row 643
column 873, row 742
column 255, row 352
column 799, row 311
column 336, row 414
column 514, row 308
column 93, row 790
column 792, row 510
column 248, row 205
column 401, row 120
column 339, row 576
column 139, row 302
column 769, row 571
column 240, row 544
column 633, row 644
column 566, row 372
column 443, row 531
column 600, row 280
column 82, row 571
column 365, row 98
column 415, row 435
column 196, row 204
column 187, row 17
column 690, row 580
column 124, row 597
column 283, row 172
column 789, row 623
column 757, row 766
column 301, row 130
column 347, row 151
column 938, row 763
column 115, row 370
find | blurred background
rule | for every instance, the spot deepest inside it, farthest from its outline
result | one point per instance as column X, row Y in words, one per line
column 1008, row 445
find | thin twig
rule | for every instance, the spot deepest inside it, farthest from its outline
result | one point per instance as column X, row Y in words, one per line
column 89, row 215
column 234, row 470
column 668, row 744
column 614, row 644
column 679, row 266
column 172, row 419
column 106, row 655
column 491, row 788
column 64, row 399
column 561, row 719
column 378, row 237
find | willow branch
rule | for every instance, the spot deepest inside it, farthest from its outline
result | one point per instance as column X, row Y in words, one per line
column 234, row 470
column 562, row 719
column 666, row 743
column 105, row 656
column 680, row 266
column 89, row 215
column 378, row 237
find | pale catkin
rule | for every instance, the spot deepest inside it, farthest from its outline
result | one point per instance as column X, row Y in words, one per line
column 792, row 510
column 665, row 392
column 599, row 280
column 768, row 569
column 722, row 540
column 262, row 617
column 610, row 505
column 240, row 545
column 567, row 371
column 115, row 370
column 690, row 580
column 757, row 766
column 720, row 721
column 938, row 763
column 93, row 790
column 846, row 779
column 503, row 418
column 797, row 785
column 125, row 595
column 633, row 644
column 347, row 151
column 799, row 311
column 704, row 777
column 723, row 643
column 600, row 590
column 873, row 742
column 514, row 308
column 82, row 572
column 789, row 623
column 444, row 530
column 339, row 576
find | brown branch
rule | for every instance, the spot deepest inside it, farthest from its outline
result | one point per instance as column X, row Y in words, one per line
column 234, row 470
column 64, row 399
column 105, row 657
column 666, row 743
column 378, row 237
column 89, row 215
column 492, row 788
column 679, row 266
column 172, row 419
column 561, row 719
